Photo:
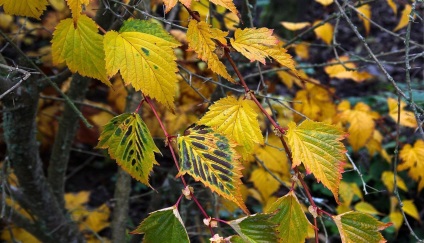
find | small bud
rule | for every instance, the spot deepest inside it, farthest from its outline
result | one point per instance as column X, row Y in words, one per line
column 313, row 210
column 214, row 223
column 277, row 132
column 187, row 191
column 217, row 239
column 207, row 221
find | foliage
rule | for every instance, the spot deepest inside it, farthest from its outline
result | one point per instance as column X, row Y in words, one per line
column 229, row 129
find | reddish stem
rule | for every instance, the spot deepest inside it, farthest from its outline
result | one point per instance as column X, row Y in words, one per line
column 174, row 157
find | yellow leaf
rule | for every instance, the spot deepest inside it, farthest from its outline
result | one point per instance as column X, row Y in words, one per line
column 237, row 119
column 274, row 157
column 348, row 191
column 404, row 18
column 324, row 32
column 17, row 235
column 228, row 4
column 407, row 118
column 374, row 145
column 97, row 219
column 202, row 7
column 366, row 11
column 366, row 208
column 264, row 182
column 361, row 123
column 388, row 180
column 169, row 4
column 314, row 102
column 76, row 7
column 317, row 145
column 143, row 52
column 339, row 71
column 410, row 209
column 396, row 218
column 58, row 5
column 76, row 200
column 413, row 159
column 290, row 79
column 302, row 50
column 200, row 38
column 5, row 21
column 325, row 2
column 392, row 6
column 258, row 44
column 80, row 47
column 28, row 8
column 342, row 208
column 295, row 26
column 231, row 21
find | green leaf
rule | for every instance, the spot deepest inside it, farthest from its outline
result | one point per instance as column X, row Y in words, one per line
column 129, row 142
column 164, row 226
column 357, row 227
column 210, row 157
column 257, row 228
column 293, row 224
column 317, row 145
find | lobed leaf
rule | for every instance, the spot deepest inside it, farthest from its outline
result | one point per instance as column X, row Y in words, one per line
column 210, row 157
column 200, row 38
column 28, row 8
column 317, row 145
column 257, row 228
column 164, row 225
column 236, row 119
column 143, row 53
column 80, row 47
column 128, row 140
column 292, row 221
column 357, row 227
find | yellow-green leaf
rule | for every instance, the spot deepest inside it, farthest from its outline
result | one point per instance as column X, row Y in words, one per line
column 348, row 191
column 28, row 8
column 128, row 140
column 164, row 226
column 257, row 228
column 293, row 224
column 143, row 53
column 210, row 157
column 80, row 47
column 200, row 38
column 317, row 145
column 413, row 159
column 357, row 227
column 236, row 119
column 258, row 44
column 76, row 7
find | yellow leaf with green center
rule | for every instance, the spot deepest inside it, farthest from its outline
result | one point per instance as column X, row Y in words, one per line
column 143, row 53
column 76, row 7
column 200, row 38
column 317, row 145
column 80, row 47
column 361, row 123
column 413, row 159
column 128, row 140
column 292, row 221
column 238, row 120
column 356, row 227
column 210, row 157
column 28, row 8
column 258, row 44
